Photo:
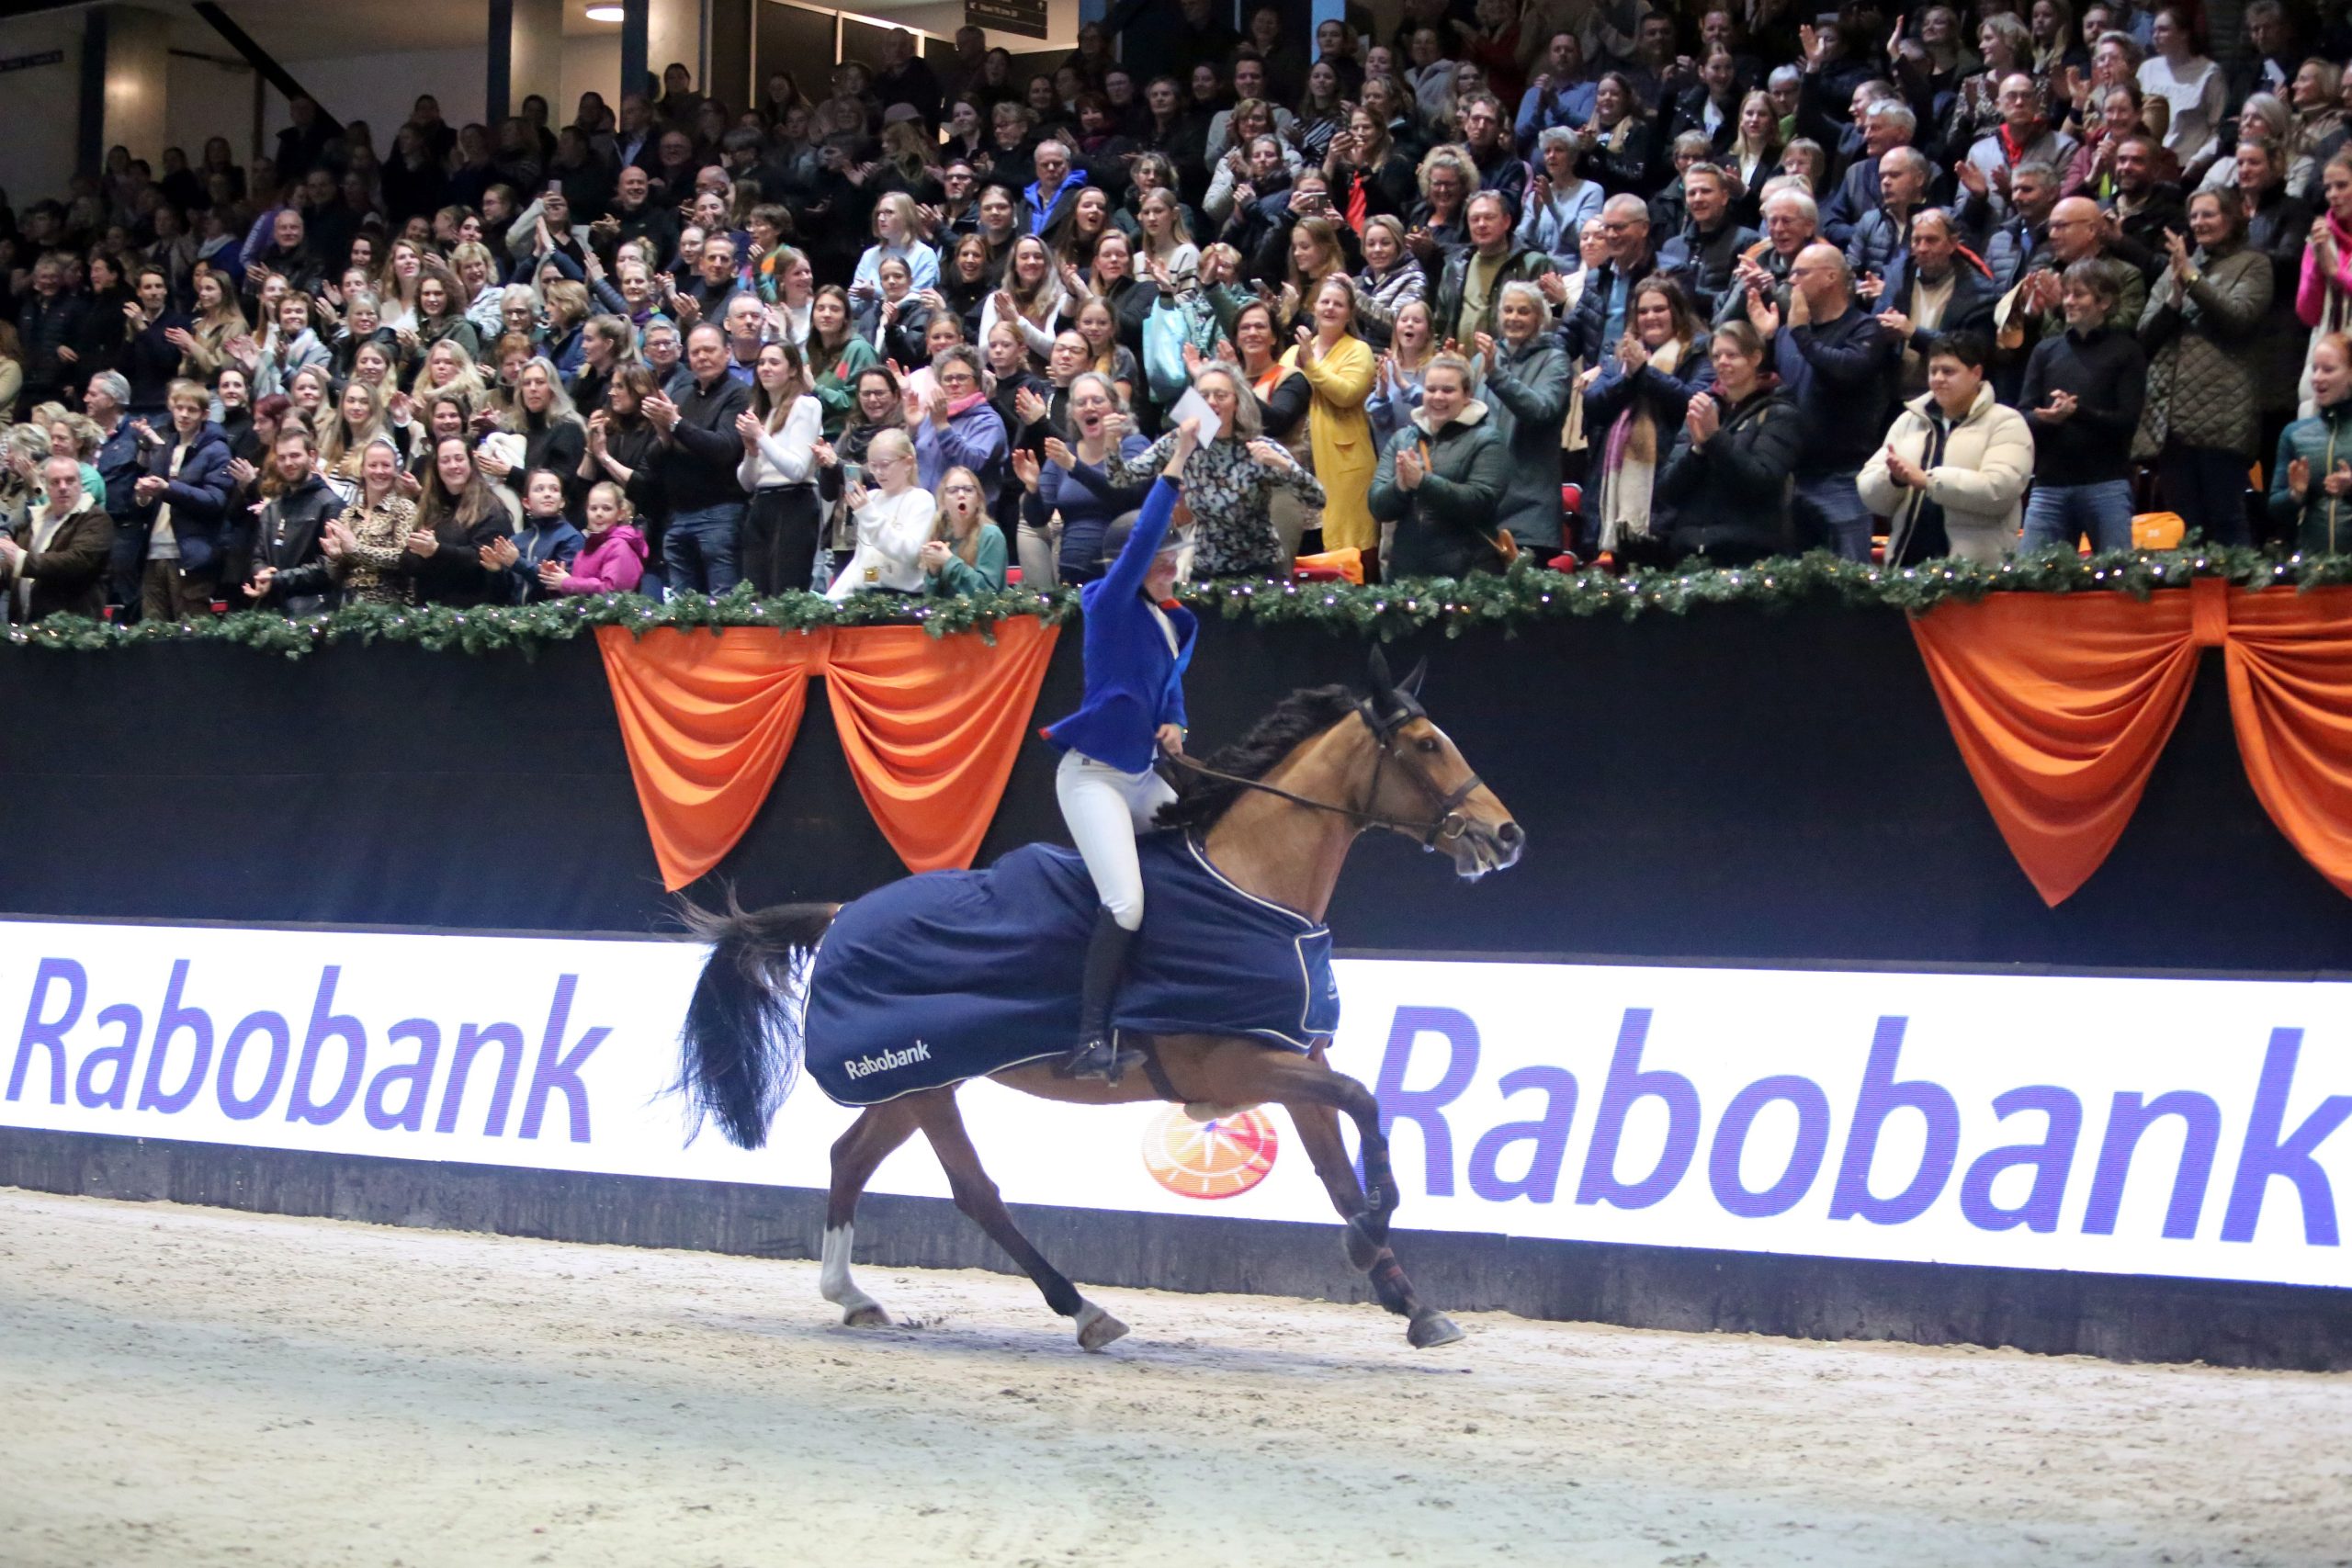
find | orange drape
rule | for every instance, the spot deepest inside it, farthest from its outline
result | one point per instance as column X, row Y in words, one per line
column 931, row 727
column 2061, row 703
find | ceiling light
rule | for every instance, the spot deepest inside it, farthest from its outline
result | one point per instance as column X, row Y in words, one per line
column 603, row 13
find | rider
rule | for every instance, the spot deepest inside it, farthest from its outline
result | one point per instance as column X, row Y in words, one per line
column 1137, row 644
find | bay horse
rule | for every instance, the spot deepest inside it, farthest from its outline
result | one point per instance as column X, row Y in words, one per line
column 1276, row 815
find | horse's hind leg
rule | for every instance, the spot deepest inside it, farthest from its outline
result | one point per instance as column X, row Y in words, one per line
column 977, row 1196
column 1318, row 1134
column 856, row 1152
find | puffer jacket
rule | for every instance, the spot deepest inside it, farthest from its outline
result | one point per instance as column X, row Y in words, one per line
column 1980, row 481
column 2323, row 522
column 2204, row 347
column 1730, row 497
column 1444, row 526
column 1526, row 395
column 199, row 497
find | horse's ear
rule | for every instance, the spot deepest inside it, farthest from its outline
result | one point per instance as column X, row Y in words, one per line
column 1381, row 684
column 1410, row 685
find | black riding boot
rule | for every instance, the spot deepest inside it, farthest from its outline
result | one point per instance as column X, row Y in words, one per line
column 1106, row 955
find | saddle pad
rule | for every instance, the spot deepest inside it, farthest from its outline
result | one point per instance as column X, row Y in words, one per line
column 956, row 974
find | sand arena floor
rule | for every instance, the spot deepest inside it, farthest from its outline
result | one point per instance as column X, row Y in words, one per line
column 192, row 1386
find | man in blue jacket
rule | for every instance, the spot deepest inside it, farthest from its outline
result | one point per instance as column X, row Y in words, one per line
column 184, row 499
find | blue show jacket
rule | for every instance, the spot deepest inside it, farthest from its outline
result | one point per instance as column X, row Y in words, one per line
column 1133, row 683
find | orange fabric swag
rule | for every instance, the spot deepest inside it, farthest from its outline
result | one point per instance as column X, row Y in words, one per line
column 2061, row 704
column 931, row 727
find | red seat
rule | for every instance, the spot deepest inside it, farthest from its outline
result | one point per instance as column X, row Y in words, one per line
column 1013, row 577
column 1565, row 561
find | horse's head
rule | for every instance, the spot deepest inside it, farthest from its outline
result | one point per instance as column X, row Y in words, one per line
column 1422, row 787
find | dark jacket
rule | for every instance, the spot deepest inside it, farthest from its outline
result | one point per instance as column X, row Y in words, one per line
column 288, row 538
column 1706, row 261
column 1585, row 330
column 199, row 497
column 704, row 450
column 69, row 578
column 149, row 363
column 2107, row 373
column 1730, row 497
column 1527, row 395
column 1842, row 374
column 538, row 542
column 46, row 325
column 453, row 575
column 1134, row 682
column 1520, row 264
column 2321, row 522
column 1445, row 527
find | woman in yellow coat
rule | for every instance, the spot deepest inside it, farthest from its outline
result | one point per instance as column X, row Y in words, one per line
column 1338, row 366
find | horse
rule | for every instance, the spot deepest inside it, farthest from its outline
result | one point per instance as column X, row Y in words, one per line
column 1275, row 814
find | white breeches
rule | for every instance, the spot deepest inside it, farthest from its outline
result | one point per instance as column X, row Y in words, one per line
column 1106, row 809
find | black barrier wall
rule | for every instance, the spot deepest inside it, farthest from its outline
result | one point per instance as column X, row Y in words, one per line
column 1737, row 784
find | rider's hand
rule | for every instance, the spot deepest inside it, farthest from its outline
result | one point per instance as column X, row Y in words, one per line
column 1172, row 739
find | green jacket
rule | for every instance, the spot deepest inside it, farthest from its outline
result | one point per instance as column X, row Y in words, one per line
column 2323, row 522
column 984, row 575
column 1445, row 527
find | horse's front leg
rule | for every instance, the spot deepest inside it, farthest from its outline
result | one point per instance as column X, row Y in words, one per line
column 1318, row 1134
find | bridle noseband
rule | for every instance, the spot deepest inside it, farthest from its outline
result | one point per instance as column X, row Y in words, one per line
column 1446, row 825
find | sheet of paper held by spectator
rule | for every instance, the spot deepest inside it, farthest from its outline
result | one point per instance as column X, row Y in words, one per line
column 1191, row 405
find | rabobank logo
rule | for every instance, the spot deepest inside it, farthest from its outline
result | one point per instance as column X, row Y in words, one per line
column 886, row 1061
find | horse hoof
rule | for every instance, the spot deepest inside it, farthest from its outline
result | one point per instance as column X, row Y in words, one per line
column 866, row 1317
column 1097, row 1328
column 1430, row 1330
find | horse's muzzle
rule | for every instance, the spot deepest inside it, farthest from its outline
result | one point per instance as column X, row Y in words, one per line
column 1480, row 848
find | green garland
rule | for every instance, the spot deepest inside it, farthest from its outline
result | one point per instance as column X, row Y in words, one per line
column 1525, row 596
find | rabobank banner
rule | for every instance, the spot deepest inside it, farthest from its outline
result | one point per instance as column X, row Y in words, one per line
column 2140, row 1126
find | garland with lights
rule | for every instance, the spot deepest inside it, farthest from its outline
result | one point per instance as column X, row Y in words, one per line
column 1524, row 596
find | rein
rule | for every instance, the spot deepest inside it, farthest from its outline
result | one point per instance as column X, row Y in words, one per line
column 1446, row 824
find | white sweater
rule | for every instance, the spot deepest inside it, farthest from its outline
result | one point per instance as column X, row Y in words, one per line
column 891, row 533
column 786, row 456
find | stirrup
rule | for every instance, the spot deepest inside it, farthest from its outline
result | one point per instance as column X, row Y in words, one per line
column 1099, row 1057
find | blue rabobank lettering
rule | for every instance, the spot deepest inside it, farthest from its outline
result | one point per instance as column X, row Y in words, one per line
column 558, row 1072
column 50, row 1033
column 472, row 1038
column 118, row 1056
column 2049, row 1161
column 1881, row 1097
column 1805, row 1156
column 171, row 1019
column 327, row 1025
column 244, row 1108
column 414, row 1079
column 1627, row 1083
column 1546, row 1137
column 1425, row 1108
column 2267, row 1155
column 2200, row 1135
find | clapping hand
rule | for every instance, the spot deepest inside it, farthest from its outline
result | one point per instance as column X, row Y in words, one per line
column 2339, row 483
column 420, row 542
column 826, row 456
column 240, row 470
column 1762, row 314
column 2176, row 248
column 1057, row 452
column 1029, row 406
column 1024, row 469
column 148, row 487
column 1702, row 419
column 2059, row 408
column 1412, row 466
column 259, row 587
column 1115, row 426
column 747, row 425
column 1907, row 473
column 553, row 574
column 1272, row 454
column 337, row 540
column 498, row 554
column 2299, row 478
column 935, row 552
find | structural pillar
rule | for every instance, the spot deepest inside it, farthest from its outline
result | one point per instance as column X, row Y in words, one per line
column 136, row 58
column 636, row 46
column 525, row 56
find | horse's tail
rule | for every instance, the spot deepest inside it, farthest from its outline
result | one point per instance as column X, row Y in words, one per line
column 742, row 1035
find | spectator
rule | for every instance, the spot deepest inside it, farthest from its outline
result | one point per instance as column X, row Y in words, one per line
column 1070, row 482
column 1952, row 474
column 1884, row 230
column 879, row 406
column 12, row 371
column 1527, row 391
column 2201, row 329
column 458, row 518
column 1440, row 481
column 2022, row 136
column 1471, row 286
column 700, row 553
column 1396, row 376
column 612, row 559
column 2193, row 85
column 1635, row 402
column 1560, row 97
column 835, row 354
column 1707, row 251
column 954, row 426
column 893, row 518
column 2311, row 485
column 1559, row 200
column 290, row 570
column 780, row 432
column 48, row 324
column 1791, row 221
column 1888, row 124
column 1931, row 288
column 1727, row 481
column 184, row 497
column 1484, row 137
column 366, row 547
column 1840, row 365
column 1619, row 144
column 965, row 555
column 1228, row 483
column 1754, row 155
column 2081, row 396
column 2324, row 294
column 55, row 562
column 1338, row 367
column 546, row 537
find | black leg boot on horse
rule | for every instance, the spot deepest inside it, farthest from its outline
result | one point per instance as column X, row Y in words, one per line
column 1097, row 1055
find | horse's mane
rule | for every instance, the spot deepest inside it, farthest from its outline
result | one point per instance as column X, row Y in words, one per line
column 1296, row 720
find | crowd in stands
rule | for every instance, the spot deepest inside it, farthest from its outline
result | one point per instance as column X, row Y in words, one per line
column 1567, row 278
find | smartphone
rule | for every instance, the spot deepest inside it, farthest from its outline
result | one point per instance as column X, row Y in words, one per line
column 555, row 188
column 852, row 474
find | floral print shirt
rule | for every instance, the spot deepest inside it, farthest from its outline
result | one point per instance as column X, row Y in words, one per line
column 1227, row 491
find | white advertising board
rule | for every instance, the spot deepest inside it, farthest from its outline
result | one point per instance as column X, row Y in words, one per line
column 2176, row 1127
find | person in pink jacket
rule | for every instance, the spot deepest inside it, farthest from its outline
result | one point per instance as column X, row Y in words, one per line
column 2324, row 296
column 613, row 560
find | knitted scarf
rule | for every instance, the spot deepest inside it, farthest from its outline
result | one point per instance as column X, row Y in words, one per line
column 1629, row 460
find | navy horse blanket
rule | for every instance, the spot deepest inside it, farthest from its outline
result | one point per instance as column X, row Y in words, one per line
column 954, row 974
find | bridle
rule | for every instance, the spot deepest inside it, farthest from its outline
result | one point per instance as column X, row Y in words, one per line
column 1446, row 825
